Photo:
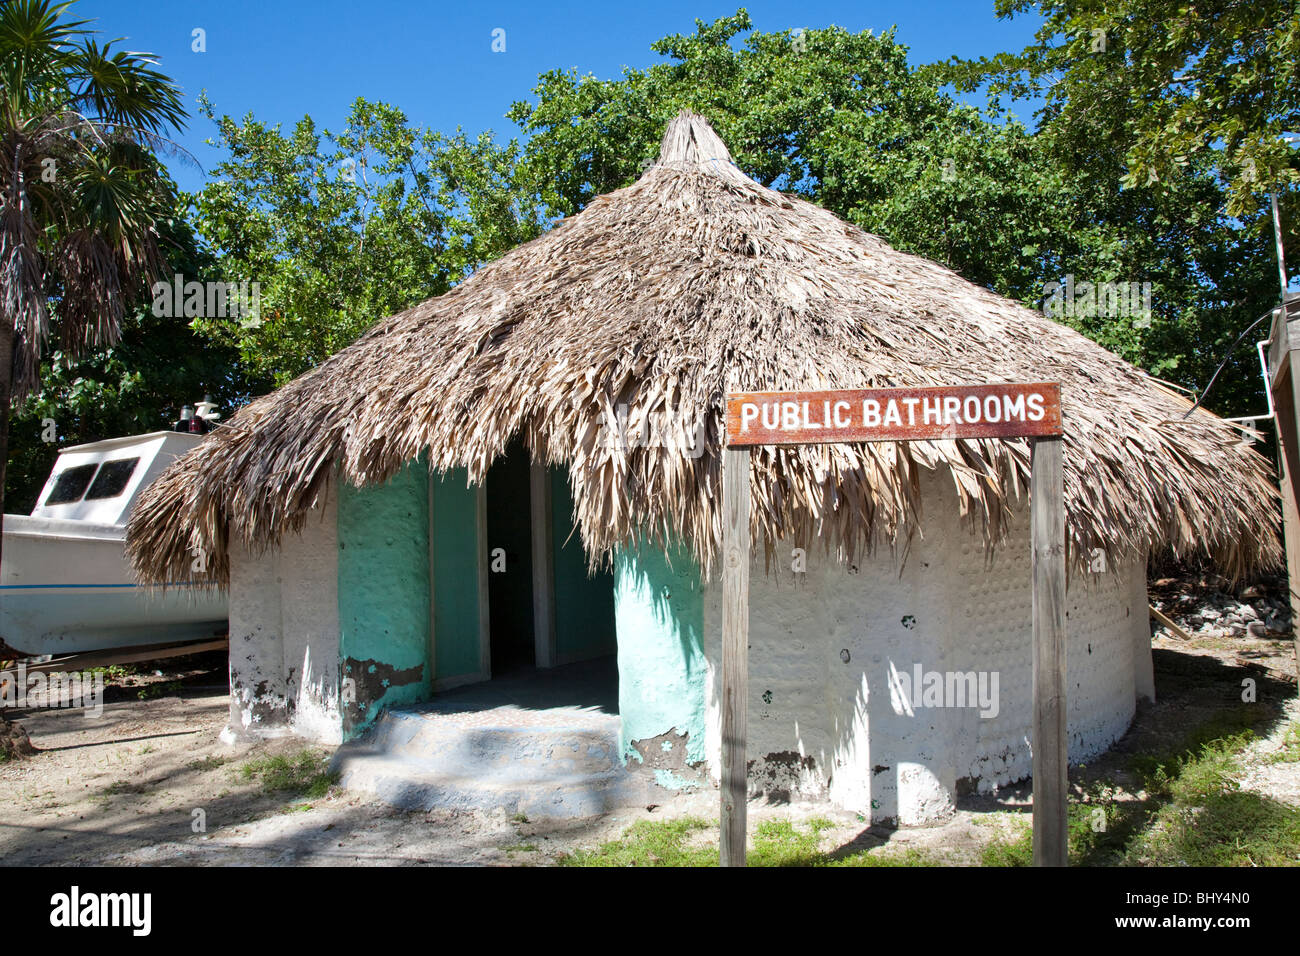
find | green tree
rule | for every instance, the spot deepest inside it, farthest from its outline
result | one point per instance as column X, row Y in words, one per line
column 135, row 385
column 845, row 121
column 1163, row 81
column 836, row 117
column 342, row 229
column 80, row 190
column 1167, row 121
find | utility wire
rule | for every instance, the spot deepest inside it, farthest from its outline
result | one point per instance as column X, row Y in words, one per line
column 1210, row 383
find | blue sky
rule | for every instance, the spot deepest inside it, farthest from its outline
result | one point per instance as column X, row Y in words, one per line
column 281, row 60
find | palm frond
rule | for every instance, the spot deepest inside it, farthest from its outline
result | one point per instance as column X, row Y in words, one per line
column 122, row 88
column 22, row 289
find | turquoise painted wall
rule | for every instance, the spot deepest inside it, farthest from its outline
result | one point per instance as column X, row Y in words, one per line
column 455, row 576
column 584, row 605
column 383, row 582
column 659, row 614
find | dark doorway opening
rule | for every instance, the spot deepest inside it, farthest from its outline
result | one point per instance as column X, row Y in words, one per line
column 510, row 564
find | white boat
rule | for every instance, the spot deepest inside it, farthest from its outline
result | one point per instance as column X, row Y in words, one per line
column 65, row 587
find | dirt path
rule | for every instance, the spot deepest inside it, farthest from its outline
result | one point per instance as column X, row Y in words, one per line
column 124, row 790
column 99, row 788
column 134, row 786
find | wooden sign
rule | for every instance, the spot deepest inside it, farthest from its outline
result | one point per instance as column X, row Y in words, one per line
column 893, row 414
column 904, row 414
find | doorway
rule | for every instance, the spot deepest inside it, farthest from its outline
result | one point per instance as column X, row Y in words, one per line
column 550, row 621
column 510, row 564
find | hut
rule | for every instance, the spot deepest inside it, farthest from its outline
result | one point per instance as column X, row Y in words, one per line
column 527, row 468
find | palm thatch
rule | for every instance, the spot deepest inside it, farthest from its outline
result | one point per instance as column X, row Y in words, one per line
column 652, row 304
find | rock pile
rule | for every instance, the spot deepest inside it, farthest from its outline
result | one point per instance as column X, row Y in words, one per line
column 1208, row 605
column 13, row 740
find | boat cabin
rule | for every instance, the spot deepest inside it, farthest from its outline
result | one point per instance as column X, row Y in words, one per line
column 99, row 482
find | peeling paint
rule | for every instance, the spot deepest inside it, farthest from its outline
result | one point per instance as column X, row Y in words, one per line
column 659, row 617
column 383, row 594
column 374, row 680
column 667, row 751
column 670, row 781
column 782, row 774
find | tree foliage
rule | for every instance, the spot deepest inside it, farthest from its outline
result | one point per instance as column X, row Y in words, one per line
column 845, row 121
column 137, row 384
column 836, row 117
column 343, row 229
column 79, row 186
column 1159, row 83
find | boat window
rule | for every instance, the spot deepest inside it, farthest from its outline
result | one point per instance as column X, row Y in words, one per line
column 112, row 478
column 71, row 484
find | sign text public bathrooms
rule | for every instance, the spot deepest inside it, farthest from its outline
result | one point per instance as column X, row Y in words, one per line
column 893, row 414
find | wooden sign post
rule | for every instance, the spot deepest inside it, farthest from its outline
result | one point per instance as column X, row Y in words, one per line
column 735, row 652
column 903, row 414
column 1047, row 534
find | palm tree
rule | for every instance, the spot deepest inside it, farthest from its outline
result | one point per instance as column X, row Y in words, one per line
column 80, row 189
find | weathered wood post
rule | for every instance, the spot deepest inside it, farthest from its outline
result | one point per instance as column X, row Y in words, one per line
column 1047, row 522
column 735, row 651
column 1284, row 383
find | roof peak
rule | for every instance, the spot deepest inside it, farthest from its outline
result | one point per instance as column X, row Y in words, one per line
column 690, row 139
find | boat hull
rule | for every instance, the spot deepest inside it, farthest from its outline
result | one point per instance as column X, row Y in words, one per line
column 64, row 589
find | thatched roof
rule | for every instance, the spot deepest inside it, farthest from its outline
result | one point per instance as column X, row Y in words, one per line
column 661, row 297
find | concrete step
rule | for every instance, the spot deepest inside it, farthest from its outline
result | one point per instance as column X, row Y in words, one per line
column 553, row 763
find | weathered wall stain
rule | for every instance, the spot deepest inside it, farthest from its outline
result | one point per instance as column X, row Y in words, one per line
column 781, row 775
column 371, row 681
column 383, row 594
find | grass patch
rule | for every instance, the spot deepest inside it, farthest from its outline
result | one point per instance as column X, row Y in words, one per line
column 1015, row 850
column 908, row 857
column 113, row 671
column 1101, row 827
column 1228, row 723
column 119, row 788
column 304, row 774
column 520, row 848
column 1206, row 819
column 210, row 762
column 781, row 843
column 152, row 691
column 1099, row 833
column 691, row 841
column 1290, row 752
column 1195, row 813
column 650, row 843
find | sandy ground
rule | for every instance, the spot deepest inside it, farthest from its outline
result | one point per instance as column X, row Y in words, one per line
column 124, row 790
column 150, row 783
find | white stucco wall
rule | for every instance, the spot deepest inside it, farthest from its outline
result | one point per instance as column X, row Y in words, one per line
column 831, row 651
column 284, row 636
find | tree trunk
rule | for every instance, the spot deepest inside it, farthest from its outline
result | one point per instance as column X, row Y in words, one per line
column 13, row 739
column 7, row 341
